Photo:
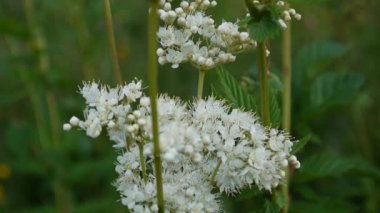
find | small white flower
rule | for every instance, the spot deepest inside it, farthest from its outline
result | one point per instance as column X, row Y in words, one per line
column 74, row 121
column 66, row 127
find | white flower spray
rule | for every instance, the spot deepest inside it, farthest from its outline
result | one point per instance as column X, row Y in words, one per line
column 190, row 35
column 204, row 145
column 193, row 138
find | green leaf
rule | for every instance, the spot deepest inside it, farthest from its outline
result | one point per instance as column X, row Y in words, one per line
column 274, row 205
column 274, row 110
column 329, row 165
column 266, row 28
column 249, row 194
column 318, row 52
column 332, row 89
column 300, row 144
column 233, row 92
column 325, row 205
column 275, row 82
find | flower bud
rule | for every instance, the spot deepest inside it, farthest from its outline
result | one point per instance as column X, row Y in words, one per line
column 137, row 113
column 74, row 121
column 145, row 101
column 131, row 118
column 66, row 127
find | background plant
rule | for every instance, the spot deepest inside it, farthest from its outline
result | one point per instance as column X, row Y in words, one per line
column 74, row 32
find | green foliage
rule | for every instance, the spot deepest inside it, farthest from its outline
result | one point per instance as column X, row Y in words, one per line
column 299, row 145
column 329, row 165
column 317, row 90
column 266, row 28
column 231, row 90
column 328, row 205
column 316, row 56
column 13, row 28
column 274, row 109
column 324, row 90
column 263, row 24
column 249, row 194
column 330, row 89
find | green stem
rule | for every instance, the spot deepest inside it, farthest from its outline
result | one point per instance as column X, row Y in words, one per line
column 201, row 81
column 152, row 79
column 287, row 76
column 264, row 87
column 287, row 102
column 84, row 39
column 142, row 162
column 213, row 176
column 112, row 42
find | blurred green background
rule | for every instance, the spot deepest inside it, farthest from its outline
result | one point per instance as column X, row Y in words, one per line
column 48, row 47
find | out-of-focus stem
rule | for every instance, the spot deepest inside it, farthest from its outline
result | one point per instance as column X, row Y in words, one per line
column 43, row 68
column 201, row 80
column 286, row 101
column 112, row 42
column 152, row 79
column 83, row 38
column 264, row 87
column 61, row 194
column 142, row 162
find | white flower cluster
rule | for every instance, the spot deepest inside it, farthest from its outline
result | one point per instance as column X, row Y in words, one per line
column 189, row 35
column 202, row 143
column 286, row 14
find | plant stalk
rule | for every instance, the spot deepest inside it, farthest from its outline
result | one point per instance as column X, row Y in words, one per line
column 142, row 162
column 287, row 102
column 213, row 176
column 112, row 42
column 152, row 79
column 201, row 81
column 264, row 87
column 62, row 199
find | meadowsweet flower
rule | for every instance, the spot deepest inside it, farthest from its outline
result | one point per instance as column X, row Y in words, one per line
column 189, row 35
column 197, row 139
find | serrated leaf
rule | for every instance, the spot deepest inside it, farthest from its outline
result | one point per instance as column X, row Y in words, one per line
column 275, row 83
column 329, row 165
column 274, row 110
column 317, row 53
column 300, row 144
column 266, row 28
column 233, row 92
column 332, row 89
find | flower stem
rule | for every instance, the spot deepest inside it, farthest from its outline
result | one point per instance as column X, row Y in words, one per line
column 152, row 79
column 264, row 87
column 112, row 42
column 287, row 102
column 201, row 81
column 142, row 162
column 213, row 176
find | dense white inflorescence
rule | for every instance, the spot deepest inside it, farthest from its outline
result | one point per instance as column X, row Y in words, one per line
column 197, row 140
column 190, row 35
